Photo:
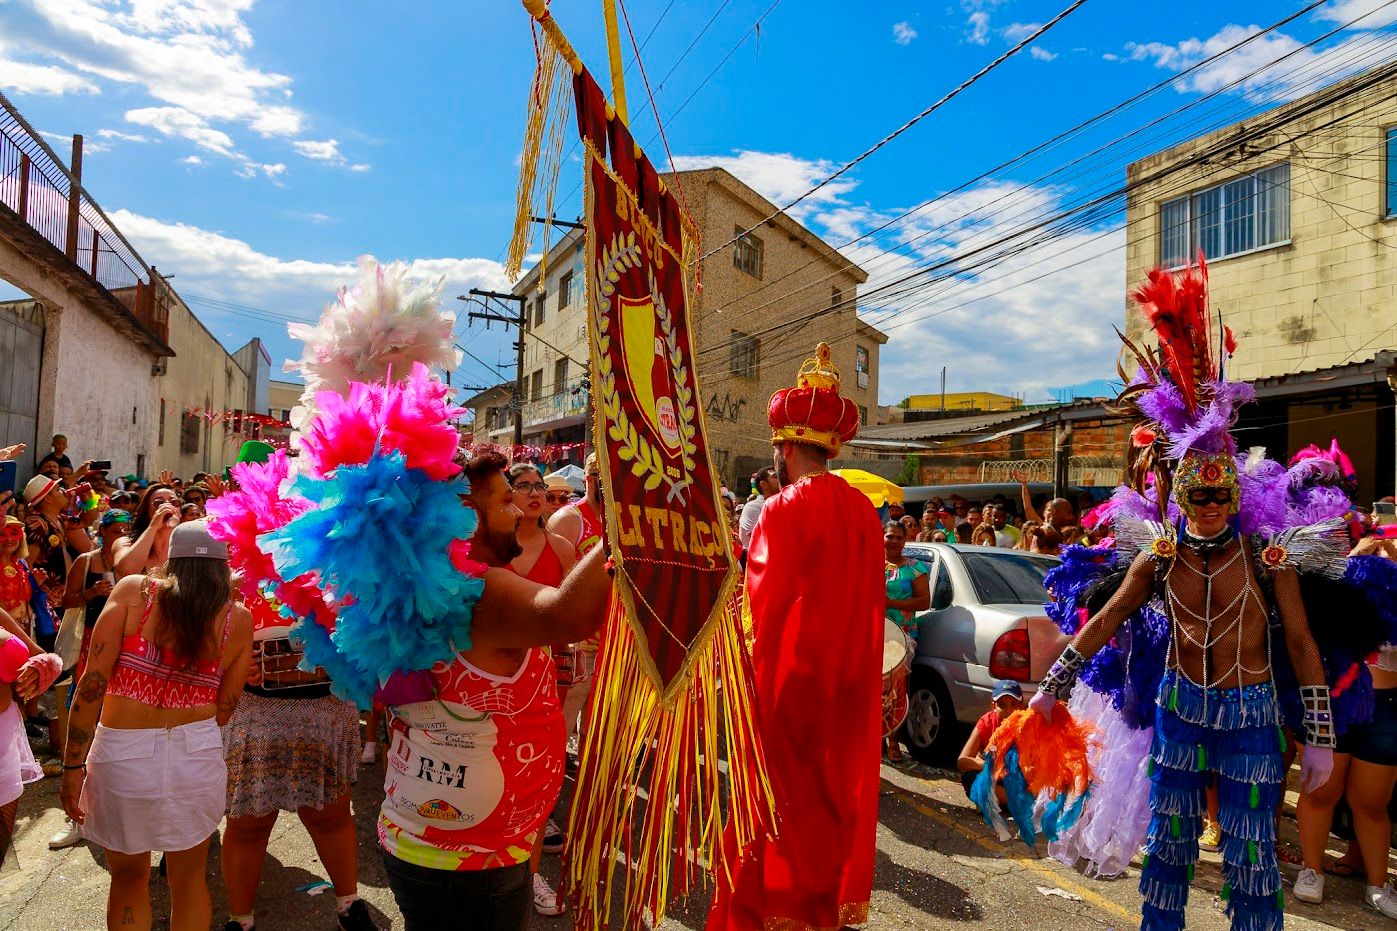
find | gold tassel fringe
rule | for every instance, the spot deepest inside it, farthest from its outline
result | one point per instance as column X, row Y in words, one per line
column 541, row 160
column 649, row 786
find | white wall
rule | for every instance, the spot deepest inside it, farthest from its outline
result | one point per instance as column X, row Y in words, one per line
column 97, row 379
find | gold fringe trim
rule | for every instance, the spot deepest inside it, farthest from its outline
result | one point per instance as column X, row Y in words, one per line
column 649, row 786
column 541, row 159
column 850, row 913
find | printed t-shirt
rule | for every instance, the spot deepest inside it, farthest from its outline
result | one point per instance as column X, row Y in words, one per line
column 470, row 777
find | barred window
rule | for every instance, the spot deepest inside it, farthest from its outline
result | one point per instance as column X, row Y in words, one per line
column 536, row 386
column 1238, row 216
column 747, row 253
column 743, row 355
column 564, row 291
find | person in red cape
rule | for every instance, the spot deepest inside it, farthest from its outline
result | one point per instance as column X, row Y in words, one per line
column 816, row 591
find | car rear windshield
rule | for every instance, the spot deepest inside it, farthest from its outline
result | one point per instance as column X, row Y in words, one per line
column 1007, row 579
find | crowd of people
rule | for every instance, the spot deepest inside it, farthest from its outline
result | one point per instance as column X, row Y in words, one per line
column 176, row 713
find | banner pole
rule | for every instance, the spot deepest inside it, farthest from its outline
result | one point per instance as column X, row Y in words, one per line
column 613, row 49
column 538, row 9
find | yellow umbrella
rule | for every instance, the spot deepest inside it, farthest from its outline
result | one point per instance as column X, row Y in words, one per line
column 879, row 490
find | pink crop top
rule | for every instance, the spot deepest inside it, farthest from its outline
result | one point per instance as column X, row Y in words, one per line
column 152, row 675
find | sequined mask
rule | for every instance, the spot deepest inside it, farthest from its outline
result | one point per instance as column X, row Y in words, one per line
column 1205, row 472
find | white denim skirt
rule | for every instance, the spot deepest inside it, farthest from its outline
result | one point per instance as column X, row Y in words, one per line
column 154, row 788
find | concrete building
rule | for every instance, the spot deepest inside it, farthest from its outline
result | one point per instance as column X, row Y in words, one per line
column 204, row 391
column 1296, row 211
column 80, row 349
column 752, row 327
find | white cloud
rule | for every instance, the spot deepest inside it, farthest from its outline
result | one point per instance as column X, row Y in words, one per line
column 24, row 78
column 191, row 56
column 192, row 160
column 210, row 263
column 1110, row 56
column 1041, row 54
column 780, row 177
column 327, row 151
column 121, row 136
column 319, row 217
column 972, row 315
column 1364, row 14
column 1017, row 32
column 979, row 23
column 360, row 166
column 176, row 122
column 65, row 143
column 1272, row 67
column 903, row 33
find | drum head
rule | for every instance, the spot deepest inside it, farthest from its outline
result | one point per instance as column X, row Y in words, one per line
column 894, row 646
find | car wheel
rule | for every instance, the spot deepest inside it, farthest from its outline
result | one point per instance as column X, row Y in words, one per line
column 930, row 725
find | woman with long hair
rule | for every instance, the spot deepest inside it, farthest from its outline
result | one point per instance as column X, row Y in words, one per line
column 145, row 548
column 544, row 558
column 165, row 670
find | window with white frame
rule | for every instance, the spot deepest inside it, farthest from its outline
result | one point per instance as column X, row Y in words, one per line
column 1237, row 216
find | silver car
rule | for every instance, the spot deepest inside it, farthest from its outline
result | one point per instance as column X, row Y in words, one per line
column 986, row 623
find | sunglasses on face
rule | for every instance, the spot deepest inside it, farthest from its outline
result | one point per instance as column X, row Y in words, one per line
column 1205, row 496
column 559, row 498
column 530, row 488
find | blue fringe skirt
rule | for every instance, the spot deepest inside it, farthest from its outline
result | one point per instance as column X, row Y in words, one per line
column 1232, row 736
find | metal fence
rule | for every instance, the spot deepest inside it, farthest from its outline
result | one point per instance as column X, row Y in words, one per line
column 37, row 186
column 1081, row 470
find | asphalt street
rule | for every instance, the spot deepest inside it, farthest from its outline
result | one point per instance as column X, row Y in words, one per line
column 938, row 867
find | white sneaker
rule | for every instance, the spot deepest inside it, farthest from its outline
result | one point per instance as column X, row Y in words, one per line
column 1309, row 886
column 1382, row 899
column 370, row 753
column 67, row 837
column 546, row 901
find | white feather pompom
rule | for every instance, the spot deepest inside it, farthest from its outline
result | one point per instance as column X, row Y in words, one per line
column 1255, row 456
column 384, row 323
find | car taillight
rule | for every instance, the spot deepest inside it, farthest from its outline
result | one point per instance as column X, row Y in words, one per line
column 1009, row 659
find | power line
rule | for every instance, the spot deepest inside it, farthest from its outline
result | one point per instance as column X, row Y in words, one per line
column 955, row 92
column 941, row 264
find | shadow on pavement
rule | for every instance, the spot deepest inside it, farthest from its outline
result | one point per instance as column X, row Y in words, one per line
column 927, row 894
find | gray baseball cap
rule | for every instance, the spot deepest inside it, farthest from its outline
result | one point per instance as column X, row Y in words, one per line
column 192, row 540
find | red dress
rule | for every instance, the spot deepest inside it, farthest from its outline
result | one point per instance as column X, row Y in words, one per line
column 816, row 589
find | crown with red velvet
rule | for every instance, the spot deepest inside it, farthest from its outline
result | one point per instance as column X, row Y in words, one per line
column 813, row 411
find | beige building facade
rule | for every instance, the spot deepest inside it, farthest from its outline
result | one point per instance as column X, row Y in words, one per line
column 764, row 304
column 1295, row 212
column 203, row 391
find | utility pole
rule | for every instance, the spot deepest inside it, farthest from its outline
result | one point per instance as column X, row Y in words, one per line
column 516, row 321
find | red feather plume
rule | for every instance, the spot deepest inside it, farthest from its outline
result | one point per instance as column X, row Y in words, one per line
column 1176, row 307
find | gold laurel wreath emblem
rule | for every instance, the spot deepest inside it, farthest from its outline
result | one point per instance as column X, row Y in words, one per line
column 646, row 461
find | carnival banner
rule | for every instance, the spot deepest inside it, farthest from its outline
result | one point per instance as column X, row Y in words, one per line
column 670, row 544
column 672, row 693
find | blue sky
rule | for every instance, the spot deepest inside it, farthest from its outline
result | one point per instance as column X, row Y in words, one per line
column 254, row 148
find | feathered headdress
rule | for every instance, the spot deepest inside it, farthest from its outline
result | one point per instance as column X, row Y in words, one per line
column 1179, row 394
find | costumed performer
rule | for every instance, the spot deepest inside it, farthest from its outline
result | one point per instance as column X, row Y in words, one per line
column 815, row 589
column 476, row 756
column 1218, row 712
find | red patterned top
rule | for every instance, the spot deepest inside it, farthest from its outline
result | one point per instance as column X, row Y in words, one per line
column 152, row 675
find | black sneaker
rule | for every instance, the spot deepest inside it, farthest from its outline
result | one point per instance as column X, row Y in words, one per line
column 233, row 926
column 40, row 719
column 357, row 918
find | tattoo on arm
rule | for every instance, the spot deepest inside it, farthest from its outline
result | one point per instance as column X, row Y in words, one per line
column 78, row 739
column 92, row 687
column 228, row 704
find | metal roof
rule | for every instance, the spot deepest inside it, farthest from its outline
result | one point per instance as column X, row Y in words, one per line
column 978, row 427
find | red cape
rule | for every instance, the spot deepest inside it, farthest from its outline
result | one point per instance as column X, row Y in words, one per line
column 816, row 589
